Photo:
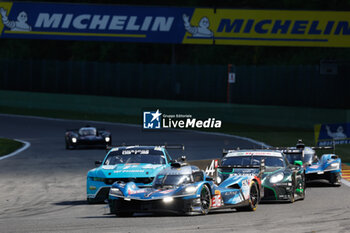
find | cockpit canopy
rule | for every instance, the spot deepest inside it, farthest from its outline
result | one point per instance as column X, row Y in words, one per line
column 88, row 131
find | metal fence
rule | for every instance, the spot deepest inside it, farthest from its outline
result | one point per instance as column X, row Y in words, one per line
column 266, row 85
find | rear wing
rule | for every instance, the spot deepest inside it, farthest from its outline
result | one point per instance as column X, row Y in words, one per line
column 241, row 166
column 226, row 151
column 291, row 150
column 166, row 146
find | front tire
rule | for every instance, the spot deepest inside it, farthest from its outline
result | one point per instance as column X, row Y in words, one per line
column 205, row 200
column 292, row 197
column 254, row 198
column 335, row 179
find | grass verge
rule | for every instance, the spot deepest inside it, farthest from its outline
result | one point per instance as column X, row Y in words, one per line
column 8, row 146
column 274, row 136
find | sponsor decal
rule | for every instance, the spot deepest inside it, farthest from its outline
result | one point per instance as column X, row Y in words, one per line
column 216, row 200
column 127, row 171
column 63, row 21
column 136, row 191
column 158, row 120
column 166, row 191
column 332, row 134
column 135, row 152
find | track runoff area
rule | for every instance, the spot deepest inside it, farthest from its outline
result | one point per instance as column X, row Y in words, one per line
column 44, row 187
column 346, row 172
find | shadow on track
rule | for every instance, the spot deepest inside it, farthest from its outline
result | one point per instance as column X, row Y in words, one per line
column 160, row 215
column 76, row 203
column 319, row 184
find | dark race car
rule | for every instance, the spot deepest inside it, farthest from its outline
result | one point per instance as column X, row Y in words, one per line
column 185, row 189
column 87, row 137
column 327, row 168
column 281, row 180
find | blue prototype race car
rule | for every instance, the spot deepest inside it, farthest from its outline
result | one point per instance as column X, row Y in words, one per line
column 326, row 168
column 185, row 189
column 139, row 164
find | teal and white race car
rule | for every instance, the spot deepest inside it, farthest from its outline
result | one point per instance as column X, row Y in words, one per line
column 139, row 164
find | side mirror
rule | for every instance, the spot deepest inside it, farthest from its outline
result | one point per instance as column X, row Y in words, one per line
column 298, row 163
column 172, row 161
column 98, row 163
column 183, row 158
column 208, row 178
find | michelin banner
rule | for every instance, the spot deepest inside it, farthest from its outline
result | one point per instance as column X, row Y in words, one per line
column 174, row 25
column 332, row 134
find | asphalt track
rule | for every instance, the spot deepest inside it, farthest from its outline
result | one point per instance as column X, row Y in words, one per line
column 42, row 189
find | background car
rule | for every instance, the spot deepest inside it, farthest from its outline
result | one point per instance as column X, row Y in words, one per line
column 185, row 189
column 327, row 168
column 87, row 136
column 139, row 164
column 281, row 180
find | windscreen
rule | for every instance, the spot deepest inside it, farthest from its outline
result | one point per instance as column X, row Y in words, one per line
column 292, row 157
column 270, row 161
column 135, row 156
column 306, row 159
column 87, row 131
column 171, row 180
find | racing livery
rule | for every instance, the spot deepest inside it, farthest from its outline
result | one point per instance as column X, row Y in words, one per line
column 87, row 136
column 326, row 168
column 139, row 164
column 185, row 189
column 280, row 180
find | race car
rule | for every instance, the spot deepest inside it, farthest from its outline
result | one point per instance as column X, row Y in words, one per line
column 326, row 168
column 87, row 136
column 281, row 181
column 139, row 164
column 185, row 189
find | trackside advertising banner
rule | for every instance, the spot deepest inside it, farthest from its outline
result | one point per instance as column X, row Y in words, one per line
column 174, row 25
column 330, row 134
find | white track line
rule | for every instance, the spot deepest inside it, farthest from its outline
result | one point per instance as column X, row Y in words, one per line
column 262, row 144
column 347, row 183
column 24, row 147
column 67, row 120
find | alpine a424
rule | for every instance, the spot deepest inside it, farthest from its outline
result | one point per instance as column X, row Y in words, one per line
column 185, row 189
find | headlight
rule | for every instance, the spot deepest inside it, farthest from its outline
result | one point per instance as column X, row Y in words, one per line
column 74, row 140
column 334, row 166
column 218, row 179
column 190, row 189
column 107, row 139
column 168, row 199
column 115, row 191
column 276, row 178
